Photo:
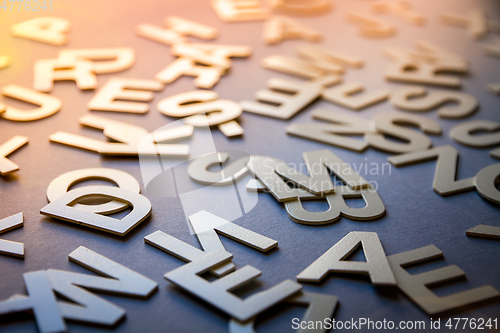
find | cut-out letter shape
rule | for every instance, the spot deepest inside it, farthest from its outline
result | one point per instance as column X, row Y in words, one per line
column 327, row 162
column 60, row 185
column 221, row 50
column 475, row 22
column 317, row 54
column 211, row 54
column 400, row 9
column 50, row 30
column 484, row 231
column 264, row 169
column 426, row 68
column 131, row 137
column 371, row 26
column 218, row 293
column 279, row 28
column 185, row 50
column 416, row 287
column 418, row 100
column 430, row 53
column 320, row 307
column 8, row 247
column 48, row 104
column 49, row 70
column 183, row 251
column 61, row 209
column 486, row 181
column 492, row 49
column 206, row 76
column 218, row 111
column 41, row 300
column 198, row 169
column 159, row 34
column 446, row 168
column 7, row 166
column 493, row 88
column 385, row 123
column 287, row 105
column 239, row 10
column 5, row 61
column 337, row 206
column 178, row 29
column 207, row 226
column 231, row 129
column 112, row 95
column 108, row 60
column 343, row 95
column 462, row 133
column 444, row 179
column 87, row 307
column 422, row 73
column 376, row 265
column 302, row 7
column 255, row 185
column 214, row 60
column 297, row 67
column 320, row 164
column 338, row 130
column 273, row 172
column 190, row 28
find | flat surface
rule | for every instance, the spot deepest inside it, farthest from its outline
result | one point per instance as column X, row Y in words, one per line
column 416, row 215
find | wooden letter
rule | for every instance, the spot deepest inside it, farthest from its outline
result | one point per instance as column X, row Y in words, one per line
column 110, row 60
column 135, row 140
column 50, row 30
column 385, row 123
column 60, row 209
column 376, row 265
column 218, row 293
column 239, row 10
column 41, row 300
column 6, row 166
column 48, row 104
column 335, row 133
column 462, row 133
column 342, row 95
column 406, row 99
column 124, row 89
column 288, row 106
column 279, row 28
column 416, row 286
column 49, row 70
column 9, row 247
